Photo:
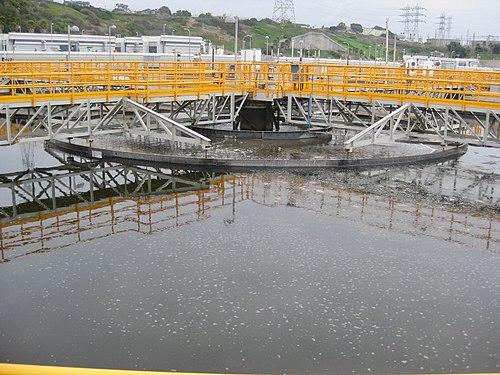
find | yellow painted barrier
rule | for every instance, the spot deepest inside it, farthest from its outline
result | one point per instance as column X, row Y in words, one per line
column 15, row 369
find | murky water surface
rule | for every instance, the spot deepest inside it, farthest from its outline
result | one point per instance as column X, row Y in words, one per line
column 230, row 148
column 391, row 271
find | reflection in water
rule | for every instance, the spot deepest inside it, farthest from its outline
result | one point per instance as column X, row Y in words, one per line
column 387, row 271
column 74, row 206
column 55, row 207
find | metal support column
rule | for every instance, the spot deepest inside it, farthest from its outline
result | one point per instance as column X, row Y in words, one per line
column 232, row 108
column 486, row 128
column 289, row 109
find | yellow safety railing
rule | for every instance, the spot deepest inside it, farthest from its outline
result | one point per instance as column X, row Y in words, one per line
column 8, row 369
column 14, row 369
column 36, row 82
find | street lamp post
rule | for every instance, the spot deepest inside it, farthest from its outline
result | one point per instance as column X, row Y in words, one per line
column 51, row 33
column 235, row 21
column 73, row 28
column 386, row 41
column 109, row 35
column 348, row 53
column 189, row 43
column 394, row 51
column 246, row 36
column 267, row 45
column 164, row 26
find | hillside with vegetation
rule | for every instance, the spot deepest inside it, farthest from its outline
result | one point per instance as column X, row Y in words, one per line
column 38, row 15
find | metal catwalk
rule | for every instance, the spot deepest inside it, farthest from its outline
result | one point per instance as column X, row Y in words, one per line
column 48, row 100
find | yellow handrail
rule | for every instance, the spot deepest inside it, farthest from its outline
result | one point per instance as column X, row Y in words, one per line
column 35, row 82
column 15, row 369
column 12, row 369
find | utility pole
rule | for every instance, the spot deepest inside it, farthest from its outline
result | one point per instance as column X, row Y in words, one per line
column 394, row 57
column 386, row 41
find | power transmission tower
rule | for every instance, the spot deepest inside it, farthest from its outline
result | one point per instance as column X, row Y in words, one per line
column 448, row 26
column 406, row 21
column 284, row 11
column 441, row 27
column 412, row 17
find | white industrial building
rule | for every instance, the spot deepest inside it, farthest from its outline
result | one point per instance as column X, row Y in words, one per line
column 14, row 45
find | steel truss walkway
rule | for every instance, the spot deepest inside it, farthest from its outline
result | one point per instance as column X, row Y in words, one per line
column 45, row 100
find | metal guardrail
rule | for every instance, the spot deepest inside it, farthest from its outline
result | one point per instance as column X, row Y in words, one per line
column 11, row 369
column 32, row 83
column 15, row 369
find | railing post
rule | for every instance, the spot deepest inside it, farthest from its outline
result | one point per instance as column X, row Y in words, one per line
column 136, row 80
column 266, row 79
column 148, row 78
column 175, row 83
column 464, row 85
column 71, row 83
column 427, row 88
column 33, row 92
column 200, row 80
column 108, row 83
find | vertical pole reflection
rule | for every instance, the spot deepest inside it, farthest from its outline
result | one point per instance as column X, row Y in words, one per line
column 391, row 209
column 176, row 209
column 112, row 212
column 451, row 227
column 488, row 238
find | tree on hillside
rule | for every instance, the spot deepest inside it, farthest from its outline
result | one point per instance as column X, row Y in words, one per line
column 357, row 28
column 183, row 13
column 456, row 49
column 119, row 7
column 164, row 10
column 10, row 18
column 340, row 27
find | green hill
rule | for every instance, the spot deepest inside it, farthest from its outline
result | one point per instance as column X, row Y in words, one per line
column 38, row 15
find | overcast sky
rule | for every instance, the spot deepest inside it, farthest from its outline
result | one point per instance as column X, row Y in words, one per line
column 476, row 16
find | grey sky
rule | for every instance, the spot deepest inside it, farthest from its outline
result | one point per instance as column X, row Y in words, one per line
column 480, row 17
